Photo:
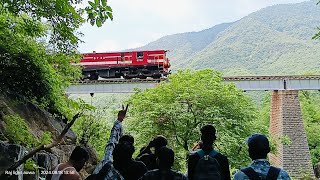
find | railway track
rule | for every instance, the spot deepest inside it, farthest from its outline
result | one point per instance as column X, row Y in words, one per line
column 228, row 78
column 116, row 81
column 245, row 78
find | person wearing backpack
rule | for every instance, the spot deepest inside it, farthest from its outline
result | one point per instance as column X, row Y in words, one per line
column 260, row 169
column 207, row 163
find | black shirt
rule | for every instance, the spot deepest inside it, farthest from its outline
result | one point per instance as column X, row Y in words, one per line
column 150, row 160
column 222, row 160
column 162, row 174
column 132, row 170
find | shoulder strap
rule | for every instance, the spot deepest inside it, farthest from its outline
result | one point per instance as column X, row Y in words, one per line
column 200, row 153
column 273, row 173
column 213, row 153
column 250, row 173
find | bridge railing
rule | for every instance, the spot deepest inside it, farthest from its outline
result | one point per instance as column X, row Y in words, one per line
column 246, row 83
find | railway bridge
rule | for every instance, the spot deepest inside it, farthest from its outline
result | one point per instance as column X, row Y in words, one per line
column 285, row 112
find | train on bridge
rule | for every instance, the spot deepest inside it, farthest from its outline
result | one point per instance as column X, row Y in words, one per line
column 133, row 64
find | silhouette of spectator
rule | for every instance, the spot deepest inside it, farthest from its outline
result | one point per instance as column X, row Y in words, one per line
column 70, row 169
column 105, row 169
column 126, row 138
column 260, row 168
column 148, row 154
column 208, row 136
column 165, row 159
column 123, row 161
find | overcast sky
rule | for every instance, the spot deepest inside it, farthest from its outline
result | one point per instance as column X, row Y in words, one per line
column 138, row 22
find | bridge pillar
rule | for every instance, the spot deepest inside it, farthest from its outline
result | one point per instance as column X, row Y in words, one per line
column 286, row 121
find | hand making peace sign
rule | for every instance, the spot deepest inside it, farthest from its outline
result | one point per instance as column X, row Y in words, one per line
column 122, row 113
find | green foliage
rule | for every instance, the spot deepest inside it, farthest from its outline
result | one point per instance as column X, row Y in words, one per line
column 30, row 65
column 63, row 16
column 178, row 108
column 311, row 115
column 17, row 131
column 100, row 112
column 29, row 165
column 29, row 69
column 46, row 138
column 273, row 41
column 99, row 12
column 285, row 140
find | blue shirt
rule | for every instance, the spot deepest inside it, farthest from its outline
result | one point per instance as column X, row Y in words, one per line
column 261, row 166
column 115, row 135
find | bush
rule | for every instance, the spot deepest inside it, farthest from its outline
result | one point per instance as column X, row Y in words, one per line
column 17, row 131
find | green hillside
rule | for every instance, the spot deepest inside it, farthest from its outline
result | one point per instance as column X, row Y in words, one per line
column 273, row 41
column 182, row 46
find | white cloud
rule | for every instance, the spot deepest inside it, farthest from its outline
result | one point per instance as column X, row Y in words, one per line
column 134, row 45
column 107, row 45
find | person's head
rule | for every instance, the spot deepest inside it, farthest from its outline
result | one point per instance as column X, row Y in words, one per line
column 127, row 138
column 158, row 142
column 165, row 157
column 208, row 135
column 258, row 146
column 122, row 153
column 78, row 157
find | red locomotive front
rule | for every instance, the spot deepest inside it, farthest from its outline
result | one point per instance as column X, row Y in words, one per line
column 134, row 64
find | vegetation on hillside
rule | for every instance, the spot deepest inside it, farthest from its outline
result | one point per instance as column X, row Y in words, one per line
column 38, row 40
column 182, row 46
column 30, row 65
column 273, row 41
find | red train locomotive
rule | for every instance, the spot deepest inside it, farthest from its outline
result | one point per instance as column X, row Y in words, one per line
column 135, row 64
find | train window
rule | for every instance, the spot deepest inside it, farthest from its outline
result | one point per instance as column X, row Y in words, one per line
column 139, row 55
column 122, row 56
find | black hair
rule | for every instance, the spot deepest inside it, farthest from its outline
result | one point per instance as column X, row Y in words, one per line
column 159, row 141
column 259, row 146
column 166, row 157
column 127, row 138
column 123, row 150
column 122, row 155
column 208, row 135
column 79, row 154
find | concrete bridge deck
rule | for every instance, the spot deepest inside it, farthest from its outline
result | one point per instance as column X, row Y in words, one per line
column 246, row 83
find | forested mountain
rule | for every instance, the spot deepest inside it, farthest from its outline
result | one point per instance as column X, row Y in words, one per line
column 273, row 40
column 184, row 45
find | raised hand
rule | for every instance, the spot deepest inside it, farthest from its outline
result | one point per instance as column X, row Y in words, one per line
column 122, row 113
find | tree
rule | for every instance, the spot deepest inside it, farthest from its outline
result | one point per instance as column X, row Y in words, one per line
column 63, row 16
column 189, row 99
column 311, row 117
column 33, row 67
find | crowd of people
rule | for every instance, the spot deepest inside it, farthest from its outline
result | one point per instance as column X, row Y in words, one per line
column 155, row 160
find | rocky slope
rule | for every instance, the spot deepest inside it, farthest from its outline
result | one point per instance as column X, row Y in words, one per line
column 39, row 122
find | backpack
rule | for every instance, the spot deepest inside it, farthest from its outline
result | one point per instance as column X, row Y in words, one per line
column 273, row 173
column 207, row 168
